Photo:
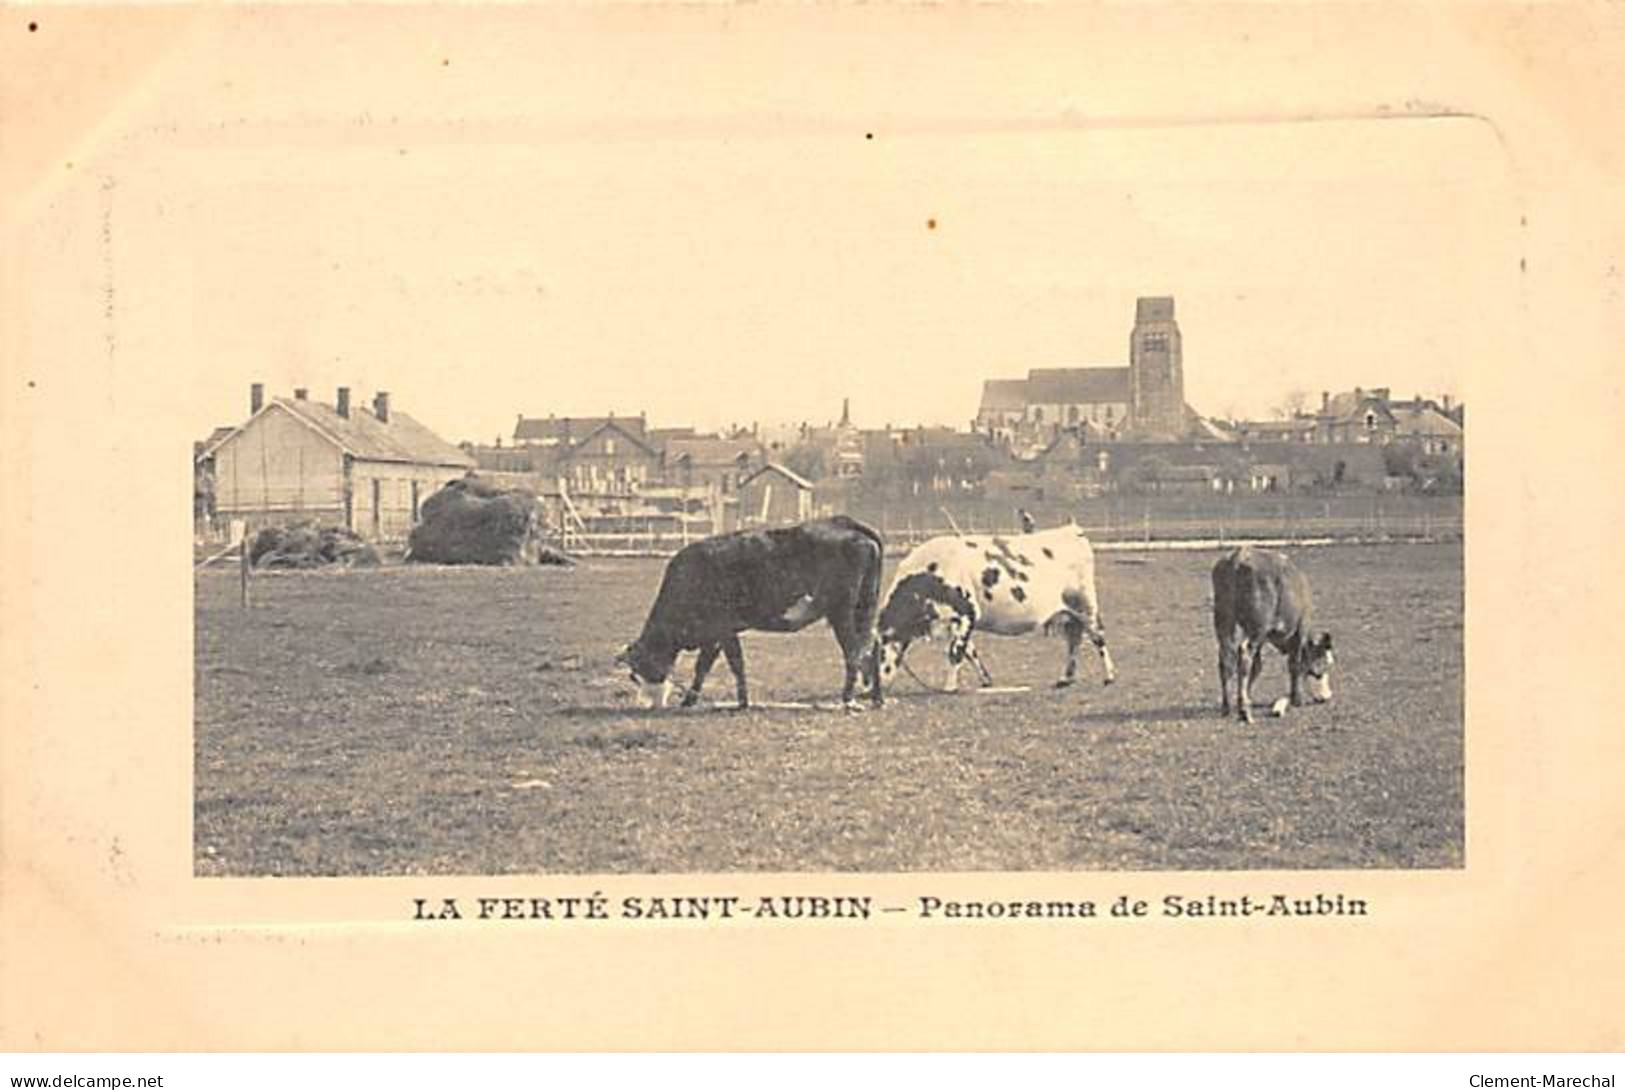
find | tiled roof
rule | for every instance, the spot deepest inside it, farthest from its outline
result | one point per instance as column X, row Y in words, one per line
column 1351, row 404
column 571, row 428
column 795, row 478
column 1425, row 422
column 1200, row 428
column 362, row 435
column 1077, row 385
column 659, row 437
column 634, row 435
column 1004, row 395
column 1279, row 427
column 712, row 451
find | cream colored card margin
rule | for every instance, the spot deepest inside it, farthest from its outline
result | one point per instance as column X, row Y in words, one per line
column 108, row 943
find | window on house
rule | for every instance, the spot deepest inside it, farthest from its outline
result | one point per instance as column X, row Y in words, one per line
column 1038, row 414
column 609, row 446
column 1370, row 421
column 1154, row 342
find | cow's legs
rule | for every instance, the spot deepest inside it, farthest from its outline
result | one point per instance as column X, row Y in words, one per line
column 1076, row 626
column 959, row 630
column 1294, row 669
column 976, row 661
column 856, row 650
column 1097, row 636
column 872, row 645
column 1227, row 657
column 702, row 667
column 736, row 663
column 860, row 650
column 1072, row 627
column 1085, row 608
column 1245, row 672
column 1257, row 666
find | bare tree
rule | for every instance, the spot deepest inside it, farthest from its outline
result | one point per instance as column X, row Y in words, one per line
column 1294, row 403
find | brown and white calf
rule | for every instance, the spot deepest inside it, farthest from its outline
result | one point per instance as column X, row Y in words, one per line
column 1260, row 596
column 954, row 586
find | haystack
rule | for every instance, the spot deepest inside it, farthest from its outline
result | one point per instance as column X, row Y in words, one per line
column 307, row 545
column 471, row 521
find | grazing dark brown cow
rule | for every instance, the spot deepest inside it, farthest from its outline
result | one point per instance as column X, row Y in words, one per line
column 779, row 580
column 1261, row 596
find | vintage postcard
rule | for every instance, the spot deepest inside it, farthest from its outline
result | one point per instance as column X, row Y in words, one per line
column 815, row 527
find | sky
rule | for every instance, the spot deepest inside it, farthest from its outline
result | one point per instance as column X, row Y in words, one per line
column 650, row 244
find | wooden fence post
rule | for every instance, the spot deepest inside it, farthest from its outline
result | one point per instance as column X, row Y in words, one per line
column 242, row 550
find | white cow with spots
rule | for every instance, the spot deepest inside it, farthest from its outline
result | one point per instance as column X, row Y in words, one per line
column 953, row 587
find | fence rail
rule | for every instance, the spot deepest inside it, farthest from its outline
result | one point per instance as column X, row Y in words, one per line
column 1126, row 524
column 1122, row 521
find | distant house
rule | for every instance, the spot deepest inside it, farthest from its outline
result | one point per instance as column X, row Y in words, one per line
column 1358, row 416
column 1302, row 428
column 774, row 495
column 1187, row 478
column 711, row 462
column 1269, row 477
column 611, row 460
column 366, row 469
column 566, row 431
column 1429, row 429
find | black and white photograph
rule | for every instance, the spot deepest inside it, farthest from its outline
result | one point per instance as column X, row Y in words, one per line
column 1010, row 500
column 815, row 527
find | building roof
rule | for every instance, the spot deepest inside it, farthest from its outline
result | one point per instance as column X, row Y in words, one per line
column 362, row 435
column 711, row 451
column 1425, row 422
column 659, row 437
column 571, row 429
column 635, row 435
column 1004, row 395
column 785, row 471
column 1351, row 404
column 1077, row 385
column 1203, row 429
column 1294, row 426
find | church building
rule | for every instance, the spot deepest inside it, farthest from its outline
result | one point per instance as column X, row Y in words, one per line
column 1143, row 401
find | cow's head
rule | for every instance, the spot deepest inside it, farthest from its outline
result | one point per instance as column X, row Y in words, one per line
column 650, row 667
column 921, row 606
column 1315, row 664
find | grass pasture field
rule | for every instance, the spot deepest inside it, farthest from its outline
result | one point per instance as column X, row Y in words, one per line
column 440, row 720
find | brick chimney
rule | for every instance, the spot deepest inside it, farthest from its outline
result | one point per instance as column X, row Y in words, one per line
column 380, row 406
column 1325, row 401
column 256, row 398
column 343, row 405
column 300, row 393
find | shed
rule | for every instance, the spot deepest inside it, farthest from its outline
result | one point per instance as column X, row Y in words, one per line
column 775, row 495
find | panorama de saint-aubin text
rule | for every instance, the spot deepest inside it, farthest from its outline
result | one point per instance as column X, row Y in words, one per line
column 597, row 906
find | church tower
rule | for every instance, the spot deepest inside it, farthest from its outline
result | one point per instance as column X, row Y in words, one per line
column 1156, row 371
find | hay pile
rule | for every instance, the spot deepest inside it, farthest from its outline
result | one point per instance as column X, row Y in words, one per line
column 307, row 545
column 471, row 521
